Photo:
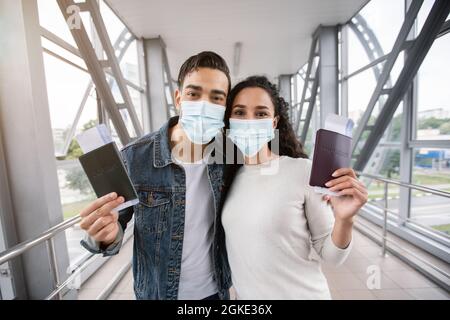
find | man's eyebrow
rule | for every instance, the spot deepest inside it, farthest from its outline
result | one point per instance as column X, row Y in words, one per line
column 221, row 92
column 192, row 86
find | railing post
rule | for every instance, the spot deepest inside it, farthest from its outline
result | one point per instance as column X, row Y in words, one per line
column 53, row 265
column 385, row 218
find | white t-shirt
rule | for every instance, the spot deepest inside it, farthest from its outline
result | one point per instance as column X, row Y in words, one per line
column 196, row 278
column 277, row 230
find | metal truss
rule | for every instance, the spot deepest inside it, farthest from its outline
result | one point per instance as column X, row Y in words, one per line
column 294, row 105
column 375, row 53
column 311, row 83
column 121, row 46
column 168, row 85
column 97, row 66
column 382, row 88
column 417, row 51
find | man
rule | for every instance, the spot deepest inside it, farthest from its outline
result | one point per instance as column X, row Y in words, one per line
column 178, row 250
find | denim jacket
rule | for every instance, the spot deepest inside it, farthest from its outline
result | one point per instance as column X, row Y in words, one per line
column 160, row 216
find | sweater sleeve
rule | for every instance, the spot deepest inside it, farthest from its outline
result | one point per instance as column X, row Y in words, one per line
column 320, row 219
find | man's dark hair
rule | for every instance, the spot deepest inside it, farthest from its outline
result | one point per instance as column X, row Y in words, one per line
column 205, row 59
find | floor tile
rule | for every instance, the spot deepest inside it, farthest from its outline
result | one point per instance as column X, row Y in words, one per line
column 410, row 279
column 392, row 294
column 429, row 294
column 356, row 295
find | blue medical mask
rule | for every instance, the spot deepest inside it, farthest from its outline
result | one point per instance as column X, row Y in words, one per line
column 201, row 120
column 251, row 135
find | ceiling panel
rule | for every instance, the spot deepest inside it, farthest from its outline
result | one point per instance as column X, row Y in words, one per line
column 275, row 35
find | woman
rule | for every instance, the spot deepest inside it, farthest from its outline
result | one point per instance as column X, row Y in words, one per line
column 277, row 229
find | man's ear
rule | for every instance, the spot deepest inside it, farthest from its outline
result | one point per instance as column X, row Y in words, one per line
column 177, row 100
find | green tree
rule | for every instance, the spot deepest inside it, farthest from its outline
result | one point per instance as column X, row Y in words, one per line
column 444, row 128
column 432, row 123
column 392, row 163
column 396, row 128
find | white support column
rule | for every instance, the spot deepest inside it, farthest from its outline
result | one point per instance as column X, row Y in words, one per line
column 144, row 107
column 11, row 273
column 344, row 71
column 157, row 112
column 328, row 72
column 406, row 152
column 284, row 86
column 28, row 143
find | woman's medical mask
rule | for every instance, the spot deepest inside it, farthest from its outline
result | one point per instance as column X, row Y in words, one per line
column 201, row 120
column 251, row 135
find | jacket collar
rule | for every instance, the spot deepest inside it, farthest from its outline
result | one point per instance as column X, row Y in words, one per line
column 162, row 152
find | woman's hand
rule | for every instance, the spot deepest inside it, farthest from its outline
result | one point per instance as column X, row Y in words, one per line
column 352, row 194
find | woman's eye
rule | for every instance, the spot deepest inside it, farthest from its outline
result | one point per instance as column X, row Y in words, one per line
column 261, row 114
column 238, row 113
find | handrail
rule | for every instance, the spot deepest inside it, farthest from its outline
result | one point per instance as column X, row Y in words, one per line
column 385, row 208
column 20, row 248
column 46, row 237
column 70, row 278
column 412, row 253
column 405, row 184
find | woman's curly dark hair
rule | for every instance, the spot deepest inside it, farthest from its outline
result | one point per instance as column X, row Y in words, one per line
column 289, row 145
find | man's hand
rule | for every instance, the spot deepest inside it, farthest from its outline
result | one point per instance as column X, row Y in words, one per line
column 100, row 221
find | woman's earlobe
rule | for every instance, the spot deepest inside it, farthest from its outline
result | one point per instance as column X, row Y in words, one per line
column 275, row 122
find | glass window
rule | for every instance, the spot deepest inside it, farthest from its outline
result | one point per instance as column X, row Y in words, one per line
column 113, row 23
column 431, row 169
column 54, row 48
column 52, row 19
column 301, row 81
column 360, row 89
column 136, row 97
column 387, row 165
column 66, row 86
column 423, row 13
column 433, row 99
column 129, row 63
column 357, row 56
column 384, row 18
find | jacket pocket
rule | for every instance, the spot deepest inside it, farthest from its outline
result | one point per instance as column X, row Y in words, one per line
column 152, row 210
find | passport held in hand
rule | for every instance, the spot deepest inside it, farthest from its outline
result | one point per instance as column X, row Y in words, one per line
column 332, row 150
column 104, row 168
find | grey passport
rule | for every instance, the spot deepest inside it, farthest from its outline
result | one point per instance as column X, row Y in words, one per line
column 106, row 172
column 331, row 152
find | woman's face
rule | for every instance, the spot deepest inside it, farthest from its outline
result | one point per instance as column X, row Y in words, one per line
column 253, row 104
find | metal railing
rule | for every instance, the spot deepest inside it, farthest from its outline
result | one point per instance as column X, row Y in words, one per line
column 386, row 209
column 48, row 237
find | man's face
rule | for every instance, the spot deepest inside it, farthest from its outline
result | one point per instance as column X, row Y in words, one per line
column 203, row 84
